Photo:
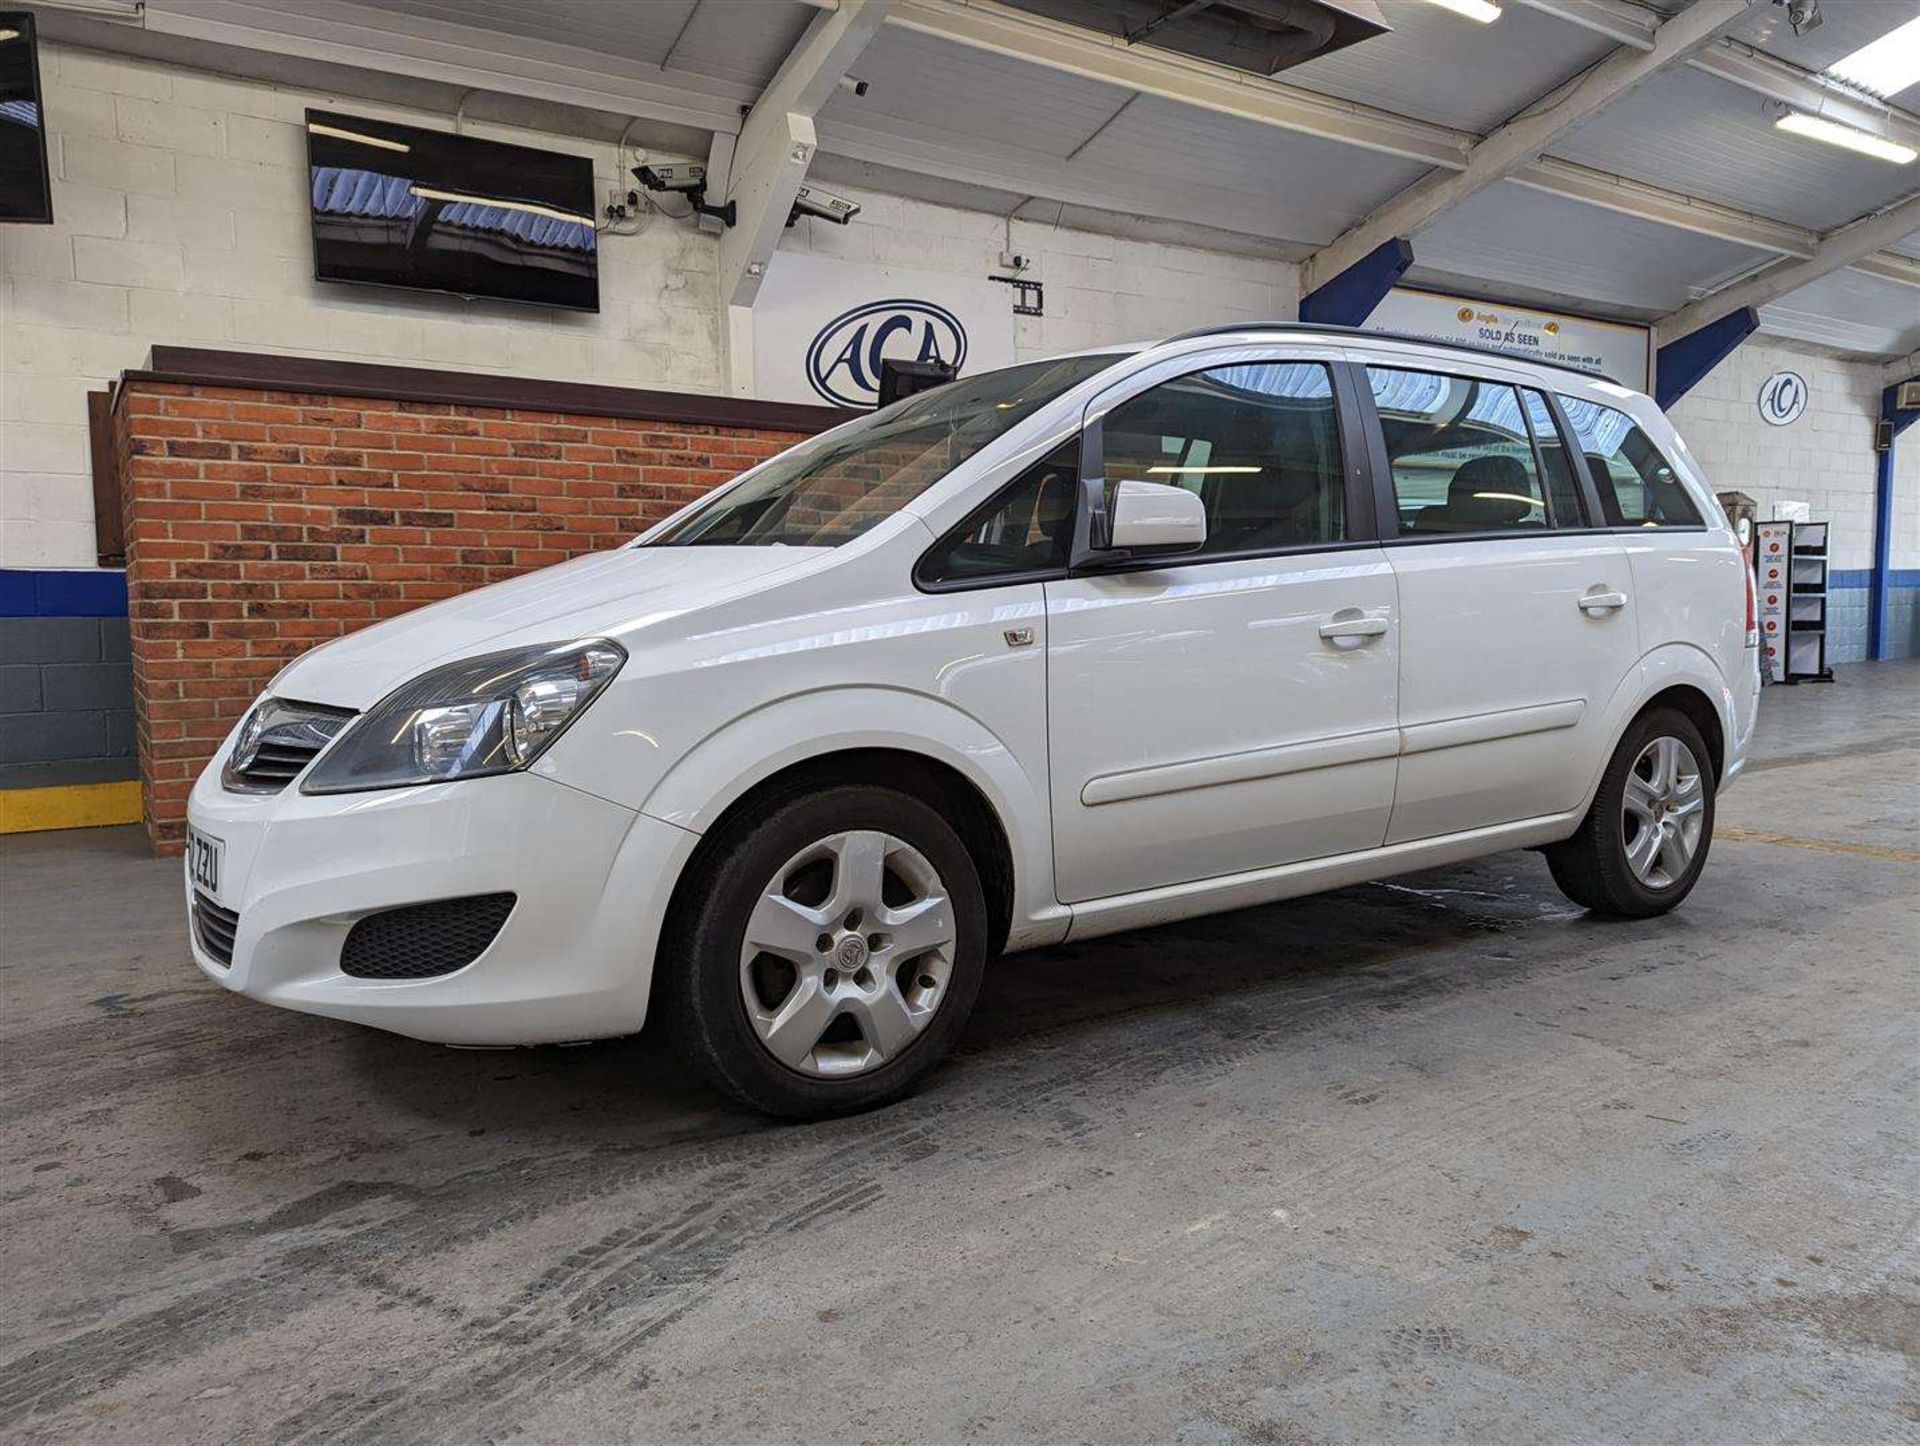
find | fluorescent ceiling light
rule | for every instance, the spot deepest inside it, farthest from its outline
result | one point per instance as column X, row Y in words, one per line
column 1201, row 471
column 1485, row 11
column 1887, row 65
column 6, row 35
column 315, row 128
column 1819, row 128
column 131, row 11
column 429, row 193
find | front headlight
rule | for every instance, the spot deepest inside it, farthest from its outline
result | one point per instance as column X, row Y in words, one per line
column 491, row 714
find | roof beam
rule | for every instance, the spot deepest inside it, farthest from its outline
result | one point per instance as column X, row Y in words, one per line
column 1525, row 139
column 1836, row 250
column 777, row 141
column 1738, row 63
column 1891, row 266
column 1644, row 202
column 1903, row 370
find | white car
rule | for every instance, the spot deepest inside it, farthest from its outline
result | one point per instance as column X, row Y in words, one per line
column 1045, row 653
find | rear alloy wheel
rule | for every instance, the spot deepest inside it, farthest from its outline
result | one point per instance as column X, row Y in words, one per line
column 835, row 953
column 1642, row 845
column 1663, row 813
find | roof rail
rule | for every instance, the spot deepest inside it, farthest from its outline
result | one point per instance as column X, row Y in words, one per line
column 1328, row 329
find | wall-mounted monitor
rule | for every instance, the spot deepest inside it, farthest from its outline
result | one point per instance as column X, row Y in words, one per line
column 25, row 194
column 396, row 205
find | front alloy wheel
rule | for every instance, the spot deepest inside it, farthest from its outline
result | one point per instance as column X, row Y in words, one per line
column 824, row 950
column 847, row 954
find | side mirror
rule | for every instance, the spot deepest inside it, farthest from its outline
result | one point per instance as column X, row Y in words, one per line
column 1152, row 517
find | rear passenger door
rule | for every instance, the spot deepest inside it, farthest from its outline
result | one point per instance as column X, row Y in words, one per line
column 1517, row 613
column 1691, row 586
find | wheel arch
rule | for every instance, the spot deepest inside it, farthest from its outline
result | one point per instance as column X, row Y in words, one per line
column 935, row 783
column 922, row 746
column 1686, row 678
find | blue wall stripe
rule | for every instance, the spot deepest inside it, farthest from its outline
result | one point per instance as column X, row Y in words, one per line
column 102, row 592
column 1862, row 577
column 27, row 592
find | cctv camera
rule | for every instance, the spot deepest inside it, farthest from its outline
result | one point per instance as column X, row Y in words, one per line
column 812, row 201
column 672, row 178
column 1802, row 15
column 853, row 85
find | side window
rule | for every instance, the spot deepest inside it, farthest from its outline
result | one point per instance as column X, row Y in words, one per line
column 1461, row 453
column 1638, row 487
column 1562, row 490
column 1025, row 528
column 1259, row 444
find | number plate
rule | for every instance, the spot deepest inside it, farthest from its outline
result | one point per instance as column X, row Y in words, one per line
column 203, row 862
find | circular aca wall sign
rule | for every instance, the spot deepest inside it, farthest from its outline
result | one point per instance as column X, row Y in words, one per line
column 1783, row 397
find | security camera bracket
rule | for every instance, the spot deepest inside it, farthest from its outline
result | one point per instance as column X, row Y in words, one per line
column 1029, row 296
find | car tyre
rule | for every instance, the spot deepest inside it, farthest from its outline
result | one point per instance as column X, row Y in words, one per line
column 749, row 978
column 1640, row 849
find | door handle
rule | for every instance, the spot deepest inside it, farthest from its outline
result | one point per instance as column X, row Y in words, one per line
column 1608, row 602
column 1353, row 628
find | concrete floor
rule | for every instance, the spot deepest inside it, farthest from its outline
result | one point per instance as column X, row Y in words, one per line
column 1433, row 1159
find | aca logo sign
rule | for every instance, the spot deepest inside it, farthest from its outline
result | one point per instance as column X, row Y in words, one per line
column 1783, row 397
column 843, row 362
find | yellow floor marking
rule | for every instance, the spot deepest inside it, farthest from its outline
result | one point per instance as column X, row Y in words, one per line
column 1794, row 841
column 78, row 805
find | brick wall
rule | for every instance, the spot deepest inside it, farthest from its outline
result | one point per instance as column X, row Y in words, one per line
column 262, row 523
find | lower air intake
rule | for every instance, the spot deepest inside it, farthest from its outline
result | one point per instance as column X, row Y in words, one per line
column 423, row 941
column 215, row 927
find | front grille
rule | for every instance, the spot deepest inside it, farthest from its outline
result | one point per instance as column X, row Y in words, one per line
column 214, row 927
column 278, row 741
column 422, row 941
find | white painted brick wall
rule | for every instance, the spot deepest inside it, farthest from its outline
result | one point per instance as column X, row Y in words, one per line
column 181, row 218
column 1099, row 289
column 1824, row 459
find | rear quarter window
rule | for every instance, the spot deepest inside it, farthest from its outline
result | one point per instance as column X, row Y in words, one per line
column 1638, row 486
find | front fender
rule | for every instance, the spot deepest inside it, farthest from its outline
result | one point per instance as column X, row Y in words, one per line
column 718, row 771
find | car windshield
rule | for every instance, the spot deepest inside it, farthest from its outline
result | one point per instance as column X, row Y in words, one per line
column 830, row 490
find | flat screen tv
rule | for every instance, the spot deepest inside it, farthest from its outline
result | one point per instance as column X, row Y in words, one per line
column 24, row 191
column 395, row 205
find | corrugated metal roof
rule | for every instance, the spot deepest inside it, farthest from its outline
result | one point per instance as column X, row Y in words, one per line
column 346, row 191
column 1705, row 137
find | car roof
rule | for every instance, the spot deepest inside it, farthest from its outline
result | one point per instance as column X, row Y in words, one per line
column 1355, row 333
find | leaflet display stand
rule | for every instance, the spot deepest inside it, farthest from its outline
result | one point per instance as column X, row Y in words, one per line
column 1772, row 545
column 1807, row 605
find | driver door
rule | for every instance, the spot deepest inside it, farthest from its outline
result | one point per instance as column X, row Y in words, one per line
column 1231, row 708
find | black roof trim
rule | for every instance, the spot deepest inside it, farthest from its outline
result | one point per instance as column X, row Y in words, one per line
column 1327, row 329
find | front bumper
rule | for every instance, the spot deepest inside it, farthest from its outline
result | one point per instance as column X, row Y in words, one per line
column 574, row 959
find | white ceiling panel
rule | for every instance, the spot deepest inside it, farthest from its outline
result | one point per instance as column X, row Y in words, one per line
column 1705, row 137
column 931, row 84
column 1512, row 235
column 1438, row 66
column 736, row 40
column 1310, row 188
column 1851, row 312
